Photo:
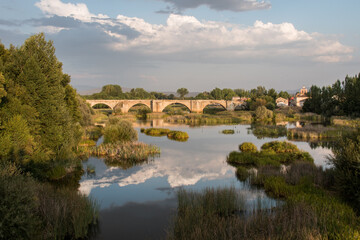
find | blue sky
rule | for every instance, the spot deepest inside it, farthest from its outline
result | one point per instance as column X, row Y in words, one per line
column 164, row 45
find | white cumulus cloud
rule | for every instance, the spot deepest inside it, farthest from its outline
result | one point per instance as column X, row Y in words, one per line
column 183, row 36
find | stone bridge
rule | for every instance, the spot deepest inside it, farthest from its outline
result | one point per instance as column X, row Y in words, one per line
column 158, row 106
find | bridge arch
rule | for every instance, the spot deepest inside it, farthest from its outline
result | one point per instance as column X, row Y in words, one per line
column 140, row 105
column 185, row 104
column 213, row 105
column 100, row 103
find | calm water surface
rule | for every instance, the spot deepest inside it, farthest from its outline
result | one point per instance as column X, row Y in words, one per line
column 139, row 202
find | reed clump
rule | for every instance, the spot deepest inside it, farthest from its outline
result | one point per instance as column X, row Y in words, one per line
column 131, row 151
column 261, row 131
column 314, row 132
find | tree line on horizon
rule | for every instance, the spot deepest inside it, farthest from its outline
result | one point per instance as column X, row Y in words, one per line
column 115, row 92
column 339, row 99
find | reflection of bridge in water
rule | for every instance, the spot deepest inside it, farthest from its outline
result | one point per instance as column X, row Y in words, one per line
column 158, row 106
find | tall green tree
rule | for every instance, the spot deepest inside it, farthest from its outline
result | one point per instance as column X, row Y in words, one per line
column 182, row 92
column 38, row 91
column 217, row 94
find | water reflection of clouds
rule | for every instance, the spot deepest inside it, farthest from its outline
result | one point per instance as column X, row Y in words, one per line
column 179, row 170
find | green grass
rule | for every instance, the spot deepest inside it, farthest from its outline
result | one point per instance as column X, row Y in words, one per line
column 178, row 136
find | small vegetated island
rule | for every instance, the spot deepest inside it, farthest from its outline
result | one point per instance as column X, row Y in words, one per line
column 228, row 131
column 120, row 146
column 160, row 132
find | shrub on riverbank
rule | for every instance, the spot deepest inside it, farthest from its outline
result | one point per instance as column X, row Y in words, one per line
column 263, row 114
column 119, row 131
column 33, row 210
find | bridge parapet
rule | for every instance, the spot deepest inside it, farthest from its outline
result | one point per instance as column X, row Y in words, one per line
column 158, row 106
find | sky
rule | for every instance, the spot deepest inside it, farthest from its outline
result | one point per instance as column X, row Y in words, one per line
column 163, row 45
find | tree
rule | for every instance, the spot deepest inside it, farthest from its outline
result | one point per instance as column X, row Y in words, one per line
column 2, row 90
column 182, row 92
column 37, row 90
column 283, row 94
column 228, row 94
column 242, row 92
column 217, row 94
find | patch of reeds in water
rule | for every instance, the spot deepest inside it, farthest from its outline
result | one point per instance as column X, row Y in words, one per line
column 314, row 132
column 130, row 151
column 178, row 136
column 228, row 131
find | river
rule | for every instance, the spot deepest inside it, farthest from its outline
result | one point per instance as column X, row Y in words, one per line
column 139, row 202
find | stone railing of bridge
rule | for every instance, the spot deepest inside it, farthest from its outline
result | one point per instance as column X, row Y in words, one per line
column 158, row 106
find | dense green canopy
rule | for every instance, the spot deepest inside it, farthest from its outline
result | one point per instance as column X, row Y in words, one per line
column 40, row 113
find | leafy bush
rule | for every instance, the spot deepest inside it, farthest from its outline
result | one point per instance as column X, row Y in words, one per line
column 248, row 147
column 280, row 147
column 119, row 131
column 263, row 114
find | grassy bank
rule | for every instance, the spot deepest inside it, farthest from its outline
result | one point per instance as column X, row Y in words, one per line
column 33, row 210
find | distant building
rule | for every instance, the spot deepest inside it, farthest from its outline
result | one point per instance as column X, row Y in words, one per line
column 300, row 97
column 282, row 102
